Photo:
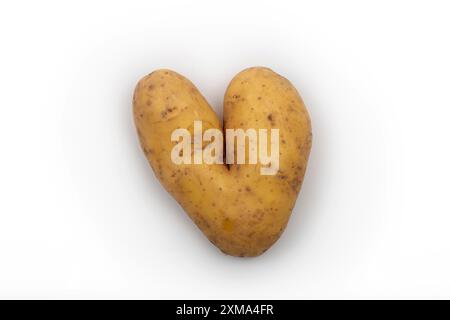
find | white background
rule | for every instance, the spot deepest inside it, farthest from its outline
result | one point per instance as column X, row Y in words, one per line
column 82, row 215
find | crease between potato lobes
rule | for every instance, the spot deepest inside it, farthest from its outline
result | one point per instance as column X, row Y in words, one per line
column 240, row 210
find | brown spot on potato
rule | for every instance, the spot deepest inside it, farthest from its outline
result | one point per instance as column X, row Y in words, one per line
column 227, row 225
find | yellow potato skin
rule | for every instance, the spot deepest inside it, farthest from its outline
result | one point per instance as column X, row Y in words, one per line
column 240, row 211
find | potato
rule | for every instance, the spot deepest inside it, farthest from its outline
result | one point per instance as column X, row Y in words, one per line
column 240, row 210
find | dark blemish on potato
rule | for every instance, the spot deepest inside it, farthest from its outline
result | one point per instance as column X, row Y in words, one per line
column 148, row 103
column 283, row 141
column 259, row 98
column 201, row 221
column 141, row 115
column 295, row 184
column 150, row 87
column 166, row 72
column 163, row 85
column 247, row 188
column 270, row 117
column 236, row 96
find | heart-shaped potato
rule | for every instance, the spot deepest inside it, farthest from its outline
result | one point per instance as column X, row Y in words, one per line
column 240, row 210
